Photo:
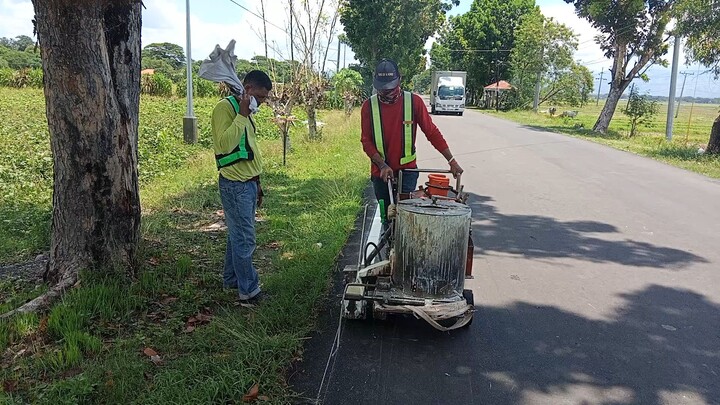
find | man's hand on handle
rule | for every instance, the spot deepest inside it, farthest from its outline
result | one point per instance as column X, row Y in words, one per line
column 386, row 173
column 455, row 167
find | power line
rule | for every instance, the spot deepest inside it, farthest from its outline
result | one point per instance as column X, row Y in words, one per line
column 258, row 16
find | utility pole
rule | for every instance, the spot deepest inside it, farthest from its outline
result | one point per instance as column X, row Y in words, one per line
column 189, row 121
column 292, row 44
column 497, row 82
column 673, row 85
column 597, row 102
column 262, row 8
column 682, row 91
column 692, row 106
column 338, row 58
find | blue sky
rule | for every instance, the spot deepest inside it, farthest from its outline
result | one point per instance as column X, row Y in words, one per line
column 218, row 21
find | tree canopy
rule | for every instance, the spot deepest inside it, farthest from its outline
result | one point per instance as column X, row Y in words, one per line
column 394, row 29
column 698, row 21
column 480, row 40
column 633, row 35
column 168, row 52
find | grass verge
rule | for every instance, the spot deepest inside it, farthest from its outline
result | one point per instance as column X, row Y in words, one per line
column 681, row 152
column 170, row 333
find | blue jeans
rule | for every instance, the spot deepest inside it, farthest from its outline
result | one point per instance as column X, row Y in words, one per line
column 239, row 200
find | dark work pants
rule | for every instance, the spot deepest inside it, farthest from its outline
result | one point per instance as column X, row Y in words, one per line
column 381, row 191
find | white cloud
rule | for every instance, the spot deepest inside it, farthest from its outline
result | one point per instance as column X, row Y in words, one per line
column 16, row 18
column 588, row 50
column 164, row 21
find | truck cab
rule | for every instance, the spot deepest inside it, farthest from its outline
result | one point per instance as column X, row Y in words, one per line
column 448, row 92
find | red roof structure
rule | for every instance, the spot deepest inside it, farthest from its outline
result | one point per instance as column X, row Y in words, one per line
column 501, row 85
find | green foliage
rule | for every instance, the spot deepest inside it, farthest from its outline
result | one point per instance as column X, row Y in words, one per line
column 156, row 84
column 347, row 81
column 641, row 110
column 167, row 52
column 21, row 78
column 201, row 87
column 7, row 77
column 543, row 49
column 16, row 59
column 19, row 43
column 422, row 82
column 394, row 29
column 488, row 25
column 698, row 21
column 279, row 71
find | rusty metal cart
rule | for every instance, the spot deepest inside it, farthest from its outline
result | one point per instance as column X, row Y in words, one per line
column 427, row 255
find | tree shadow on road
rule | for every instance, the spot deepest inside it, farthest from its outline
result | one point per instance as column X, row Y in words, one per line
column 542, row 237
column 660, row 347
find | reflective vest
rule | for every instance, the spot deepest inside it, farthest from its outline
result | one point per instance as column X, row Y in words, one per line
column 241, row 152
column 407, row 124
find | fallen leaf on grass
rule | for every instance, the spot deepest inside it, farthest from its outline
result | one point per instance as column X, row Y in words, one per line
column 264, row 398
column 154, row 357
column 252, row 394
column 153, row 261
column 168, row 300
column 196, row 320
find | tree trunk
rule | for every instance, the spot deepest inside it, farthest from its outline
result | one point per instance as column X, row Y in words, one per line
column 616, row 90
column 713, row 146
column 91, row 58
column 312, row 121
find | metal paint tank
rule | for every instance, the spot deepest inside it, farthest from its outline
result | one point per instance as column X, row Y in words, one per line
column 431, row 241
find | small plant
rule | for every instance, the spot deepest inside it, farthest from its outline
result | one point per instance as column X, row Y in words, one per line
column 641, row 110
column 156, row 84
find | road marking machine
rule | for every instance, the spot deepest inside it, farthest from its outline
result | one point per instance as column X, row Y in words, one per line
column 421, row 260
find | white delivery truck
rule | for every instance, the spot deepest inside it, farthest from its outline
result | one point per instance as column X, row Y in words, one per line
column 447, row 92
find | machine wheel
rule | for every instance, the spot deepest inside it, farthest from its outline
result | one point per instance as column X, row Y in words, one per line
column 470, row 299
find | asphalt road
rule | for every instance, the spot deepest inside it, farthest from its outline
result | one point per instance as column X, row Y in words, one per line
column 597, row 281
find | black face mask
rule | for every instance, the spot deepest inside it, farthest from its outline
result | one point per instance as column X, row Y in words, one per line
column 391, row 97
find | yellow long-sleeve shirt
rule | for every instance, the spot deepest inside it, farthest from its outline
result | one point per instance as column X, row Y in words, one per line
column 227, row 130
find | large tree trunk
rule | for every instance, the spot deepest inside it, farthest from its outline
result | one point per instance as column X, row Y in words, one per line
column 713, row 146
column 91, row 58
column 616, row 90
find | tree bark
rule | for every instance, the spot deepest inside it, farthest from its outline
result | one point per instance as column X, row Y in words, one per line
column 312, row 121
column 616, row 90
column 713, row 146
column 91, row 59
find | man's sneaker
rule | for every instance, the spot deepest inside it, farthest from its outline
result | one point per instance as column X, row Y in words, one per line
column 254, row 301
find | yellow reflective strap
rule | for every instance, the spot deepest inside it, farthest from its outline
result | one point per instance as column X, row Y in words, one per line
column 377, row 125
column 408, row 155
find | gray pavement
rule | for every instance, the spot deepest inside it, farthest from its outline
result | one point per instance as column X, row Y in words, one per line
column 597, row 281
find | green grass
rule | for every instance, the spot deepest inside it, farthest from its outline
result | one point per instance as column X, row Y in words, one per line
column 650, row 142
column 89, row 347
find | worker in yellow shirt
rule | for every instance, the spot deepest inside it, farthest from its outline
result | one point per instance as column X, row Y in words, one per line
column 239, row 162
